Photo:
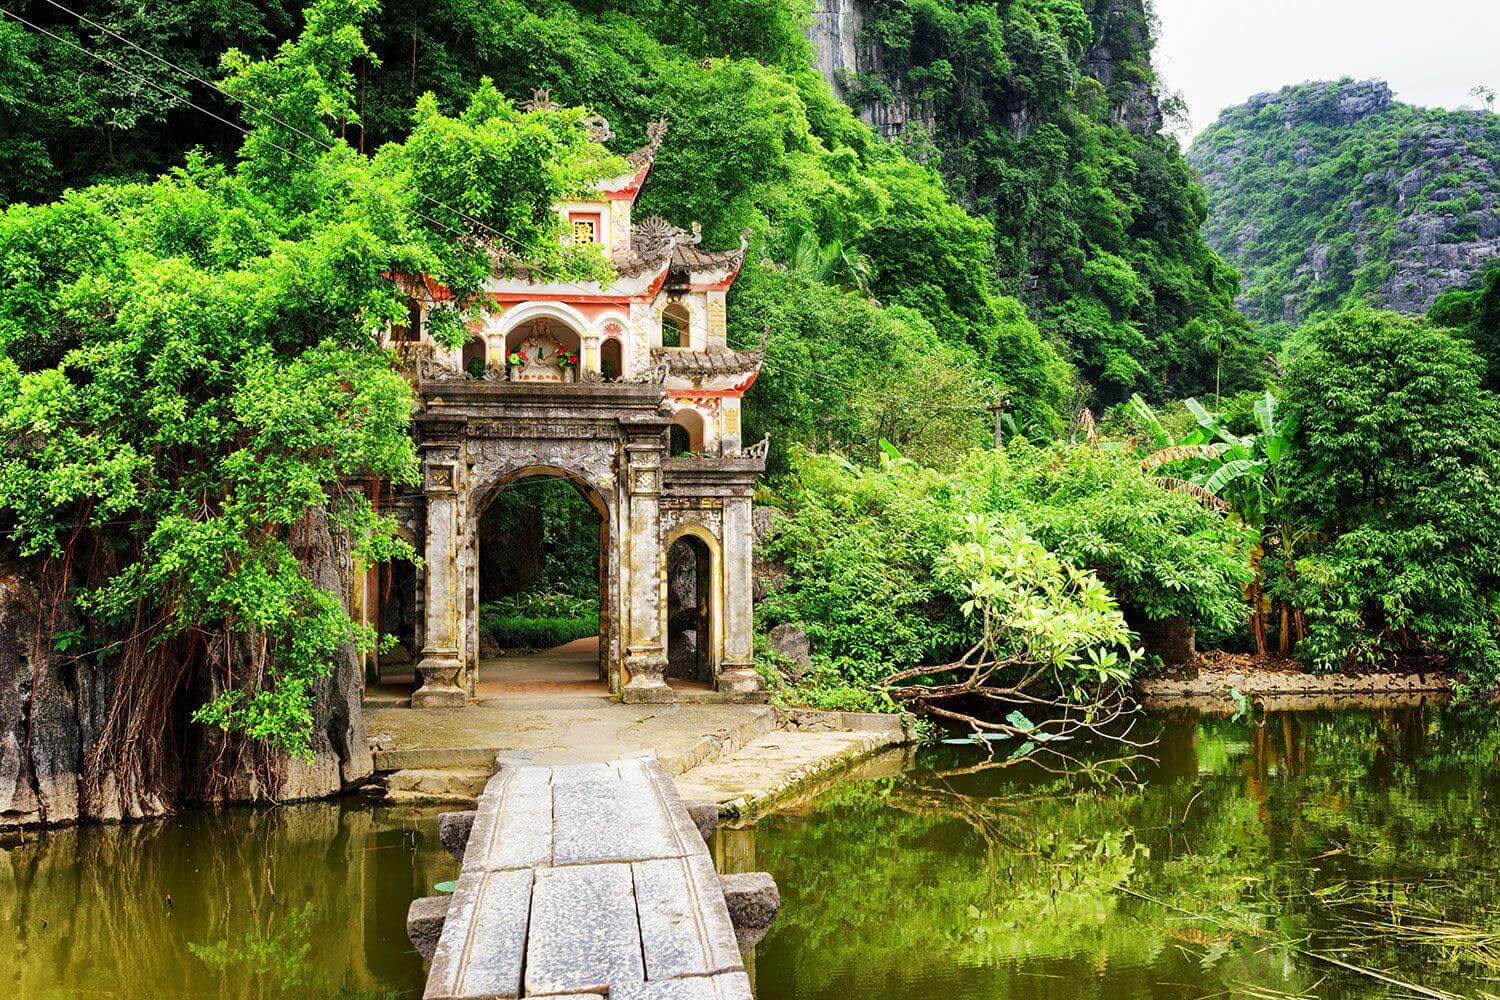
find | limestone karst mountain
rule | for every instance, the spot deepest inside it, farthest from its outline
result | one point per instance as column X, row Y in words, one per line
column 1331, row 192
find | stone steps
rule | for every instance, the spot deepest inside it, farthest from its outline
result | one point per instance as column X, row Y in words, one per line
column 779, row 764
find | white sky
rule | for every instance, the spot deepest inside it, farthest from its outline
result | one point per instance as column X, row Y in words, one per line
column 1219, row 52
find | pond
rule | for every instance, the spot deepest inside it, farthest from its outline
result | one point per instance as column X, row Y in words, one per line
column 1364, row 837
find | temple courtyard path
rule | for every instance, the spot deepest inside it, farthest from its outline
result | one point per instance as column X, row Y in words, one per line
column 549, row 708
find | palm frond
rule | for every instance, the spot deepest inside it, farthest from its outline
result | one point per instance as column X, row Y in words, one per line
column 1180, row 453
column 1229, row 472
column 1193, row 490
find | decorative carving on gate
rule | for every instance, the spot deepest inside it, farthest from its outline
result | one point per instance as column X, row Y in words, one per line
column 756, row 452
column 591, row 460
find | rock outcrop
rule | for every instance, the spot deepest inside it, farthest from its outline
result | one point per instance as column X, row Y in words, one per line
column 855, row 66
column 53, row 702
column 1325, row 193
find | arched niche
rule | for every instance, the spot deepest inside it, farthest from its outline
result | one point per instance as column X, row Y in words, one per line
column 611, row 359
column 475, row 357
column 687, row 434
column 694, row 611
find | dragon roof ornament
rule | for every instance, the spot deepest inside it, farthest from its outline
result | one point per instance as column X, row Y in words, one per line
column 541, row 100
column 655, row 237
column 655, row 132
column 598, row 126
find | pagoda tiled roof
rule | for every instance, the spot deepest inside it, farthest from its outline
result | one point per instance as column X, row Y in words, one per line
column 711, row 361
column 708, row 362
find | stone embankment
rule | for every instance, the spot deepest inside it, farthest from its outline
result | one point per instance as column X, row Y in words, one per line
column 1220, row 691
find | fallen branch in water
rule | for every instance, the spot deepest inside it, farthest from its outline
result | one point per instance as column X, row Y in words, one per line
column 1363, row 970
column 1051, row 642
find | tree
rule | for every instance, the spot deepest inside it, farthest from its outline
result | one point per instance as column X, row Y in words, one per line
column 1392, row 473
column 190, row 371
column 1474, row 315
column 1246, row 473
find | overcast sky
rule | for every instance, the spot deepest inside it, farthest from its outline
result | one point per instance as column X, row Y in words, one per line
column 1219, row 52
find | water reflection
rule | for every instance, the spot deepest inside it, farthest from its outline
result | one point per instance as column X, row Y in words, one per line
column 1365, row 835
column 305, row 899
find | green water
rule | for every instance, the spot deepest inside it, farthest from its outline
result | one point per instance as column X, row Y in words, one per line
column 301, row 901
column 1368, row 835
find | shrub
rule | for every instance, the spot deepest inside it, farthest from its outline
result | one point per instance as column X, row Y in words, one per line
column 1393, row 476
column 865, row 548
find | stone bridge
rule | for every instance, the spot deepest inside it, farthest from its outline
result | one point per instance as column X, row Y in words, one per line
column 589, row 880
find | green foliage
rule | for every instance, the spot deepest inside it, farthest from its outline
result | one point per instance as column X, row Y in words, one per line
column 842, row 372
column 190, row 367
column 1393, row 472
column 1314, row 202
column 1162, row 554
column 1474, row 315
column 874, row 579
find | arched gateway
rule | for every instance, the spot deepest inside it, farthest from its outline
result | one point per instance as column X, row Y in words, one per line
column 575, row 382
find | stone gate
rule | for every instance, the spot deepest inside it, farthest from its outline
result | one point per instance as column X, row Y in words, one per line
column 631, row 392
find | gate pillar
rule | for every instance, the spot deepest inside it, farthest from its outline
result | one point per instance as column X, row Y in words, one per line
column 440, row 672
column 737, row 676
column 645, row 647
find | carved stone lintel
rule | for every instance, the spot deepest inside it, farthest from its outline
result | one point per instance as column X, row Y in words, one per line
column 430, row 369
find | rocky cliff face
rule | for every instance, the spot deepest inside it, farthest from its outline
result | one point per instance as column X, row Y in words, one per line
column 1328, row 193
column 847, row 57
column 857, row 67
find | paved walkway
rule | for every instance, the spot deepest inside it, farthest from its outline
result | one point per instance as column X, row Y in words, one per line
column 551, row 709
column 570, row 671
column 587, row 880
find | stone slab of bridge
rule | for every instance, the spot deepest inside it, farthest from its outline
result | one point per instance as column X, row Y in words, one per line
column 587, row 880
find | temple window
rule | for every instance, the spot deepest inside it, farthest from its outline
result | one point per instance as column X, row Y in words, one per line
column 676, row 326
column 474, row 357
column 585, row 228
column 611, row 359
column 543, row 350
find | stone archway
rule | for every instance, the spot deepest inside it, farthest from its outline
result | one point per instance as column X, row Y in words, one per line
column 695, row 600
column 477, row 437
column 606, row 572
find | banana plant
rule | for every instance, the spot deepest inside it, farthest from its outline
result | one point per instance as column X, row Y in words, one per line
column 1242, row 473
